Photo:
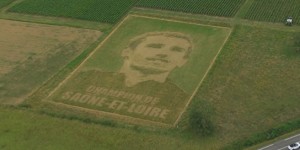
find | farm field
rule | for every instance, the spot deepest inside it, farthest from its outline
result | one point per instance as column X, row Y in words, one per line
column 25, row 130
column 207, row 7
column 181, row 75
column 254, row 83
column 94, row 10
column 236, row 115
column 32, row 53
column 274, row 10
column 138, row 97
column 4, row 3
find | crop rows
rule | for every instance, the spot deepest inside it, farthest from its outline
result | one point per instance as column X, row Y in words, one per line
column 4, row 3
column 274, row 10
column 226, row 8
column 109, row 11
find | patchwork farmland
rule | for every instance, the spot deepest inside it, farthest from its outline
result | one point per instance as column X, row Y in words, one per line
column 159, row 74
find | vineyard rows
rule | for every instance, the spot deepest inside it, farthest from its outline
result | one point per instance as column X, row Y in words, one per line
column 109, row 11
column 226, row 8
column 274, row 10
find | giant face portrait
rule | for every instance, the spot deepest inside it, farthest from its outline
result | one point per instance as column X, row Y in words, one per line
column 155, row 55
column 160, row 51
column 145, row 72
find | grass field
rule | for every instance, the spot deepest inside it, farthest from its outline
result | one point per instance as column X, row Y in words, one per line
column 243, row 95
column 255, row 83
column 206, row 7
column 94, row 10
column 85, row 83
column 32, row 53
column 4, row 3
column 274, row 10
column 25, row 130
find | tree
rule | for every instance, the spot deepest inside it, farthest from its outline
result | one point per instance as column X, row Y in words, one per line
column 200, row 119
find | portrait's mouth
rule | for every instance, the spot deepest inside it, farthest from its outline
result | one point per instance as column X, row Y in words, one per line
column 158, row 59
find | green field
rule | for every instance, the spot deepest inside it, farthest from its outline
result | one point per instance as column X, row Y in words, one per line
column 94, row 10
column 274, row 10
column 4, row 3
column 25, row 130
column 171, row 95
column 243, row 95
column 207, row 7
column 254, row 84
column 99, row 86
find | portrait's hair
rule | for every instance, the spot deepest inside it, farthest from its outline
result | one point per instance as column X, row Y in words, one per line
column 139, row 39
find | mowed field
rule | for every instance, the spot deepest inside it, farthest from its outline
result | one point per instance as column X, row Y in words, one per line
column 32, row 53
column 253, row 85
column 25, row 130
column 101, row 77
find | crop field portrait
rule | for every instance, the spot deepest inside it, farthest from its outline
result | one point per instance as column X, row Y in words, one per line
column 147, row 70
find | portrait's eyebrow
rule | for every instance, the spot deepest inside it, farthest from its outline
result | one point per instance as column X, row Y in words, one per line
column 155, row 45
column 178, row 49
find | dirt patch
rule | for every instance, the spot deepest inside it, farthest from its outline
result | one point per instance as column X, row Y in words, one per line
column 28, row 48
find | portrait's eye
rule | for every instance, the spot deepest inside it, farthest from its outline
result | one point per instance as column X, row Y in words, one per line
column 155, row 45
column 177, row 49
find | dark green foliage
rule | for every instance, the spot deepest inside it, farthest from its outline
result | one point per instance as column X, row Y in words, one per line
column 4, row 3
column 109, row 11
column 200, row 124
column 274, row 10
column 200, row 119
column 208, row 7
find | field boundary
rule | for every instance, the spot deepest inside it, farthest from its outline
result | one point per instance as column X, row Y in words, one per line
column 178, row 21
column 229, row 22
column 201, row 81
column 57, row 21
column 186, row 17
column 244, row 9
column 91, row 54
column 124, row 116
column 5, row 8
column 129, row 119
